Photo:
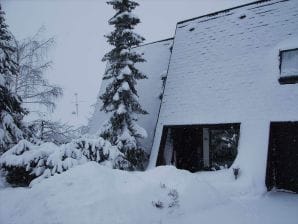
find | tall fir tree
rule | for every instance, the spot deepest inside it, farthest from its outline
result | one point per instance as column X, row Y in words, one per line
column 11, row 111
column 121, row 97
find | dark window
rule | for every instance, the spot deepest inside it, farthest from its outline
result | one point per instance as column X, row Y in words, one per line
column 289, row 66
column 199, row 147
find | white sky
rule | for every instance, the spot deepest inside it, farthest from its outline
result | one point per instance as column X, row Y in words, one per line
column 79, row 27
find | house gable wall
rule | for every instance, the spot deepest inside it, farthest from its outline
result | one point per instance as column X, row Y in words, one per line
column 225, row 69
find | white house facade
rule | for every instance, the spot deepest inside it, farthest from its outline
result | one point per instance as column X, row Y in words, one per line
column 230, row 98
column 234, row 73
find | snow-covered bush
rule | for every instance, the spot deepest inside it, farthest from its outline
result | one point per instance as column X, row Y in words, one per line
column 26, row 161
column 137, row 158
column 133, row 157
column 65, row 157
column 99, row 150
column 170, row 199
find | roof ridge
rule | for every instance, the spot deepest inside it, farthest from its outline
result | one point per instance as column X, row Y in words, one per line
column 154, row 42
column 227, row 10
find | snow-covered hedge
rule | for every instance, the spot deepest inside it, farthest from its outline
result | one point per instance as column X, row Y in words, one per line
column 26, row 161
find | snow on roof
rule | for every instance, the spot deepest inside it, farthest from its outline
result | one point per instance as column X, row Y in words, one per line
column 217, row 58
column 225, row 69
column 157, row 55
column 226, row 58
column 228, row 10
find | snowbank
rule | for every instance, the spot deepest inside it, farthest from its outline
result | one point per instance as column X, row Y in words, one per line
column 91, row 193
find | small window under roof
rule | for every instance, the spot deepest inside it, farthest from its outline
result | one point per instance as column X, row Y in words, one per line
column 289, row 66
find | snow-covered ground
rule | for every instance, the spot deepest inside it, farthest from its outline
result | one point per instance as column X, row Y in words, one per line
column 91, row 193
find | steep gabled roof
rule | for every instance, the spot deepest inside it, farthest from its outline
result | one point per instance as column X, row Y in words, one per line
column 230, row 9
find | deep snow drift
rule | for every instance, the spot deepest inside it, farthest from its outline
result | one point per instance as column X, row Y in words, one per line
column 91, row 193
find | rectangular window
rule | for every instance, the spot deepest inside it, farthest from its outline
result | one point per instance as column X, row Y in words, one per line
column 199, row 147
column 289, row 66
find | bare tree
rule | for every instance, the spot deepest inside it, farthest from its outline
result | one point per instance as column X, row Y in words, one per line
column 31, row 83
column 54, row 131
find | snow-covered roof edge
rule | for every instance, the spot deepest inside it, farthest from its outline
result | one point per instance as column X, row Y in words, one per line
column 227, row 10
column 154, row 42
column 169, row 63
column 158, row 41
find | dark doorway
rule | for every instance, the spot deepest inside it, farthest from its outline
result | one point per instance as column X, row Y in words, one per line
column 199, row 147
column 282, row 164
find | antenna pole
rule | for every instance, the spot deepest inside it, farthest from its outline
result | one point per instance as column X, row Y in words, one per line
column 77, row 104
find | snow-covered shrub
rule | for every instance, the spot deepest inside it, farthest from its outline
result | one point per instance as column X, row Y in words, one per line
column 133, row 157
column 26, row 161
column 64, row 158
column 99, row 150
column 137, row 158
column 170, row 199
column 174, row 196
column 158, row 204
column 93, row 149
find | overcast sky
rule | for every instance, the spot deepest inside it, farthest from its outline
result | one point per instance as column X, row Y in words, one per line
column 79, row 26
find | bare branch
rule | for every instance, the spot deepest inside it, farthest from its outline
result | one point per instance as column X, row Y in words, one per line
column 31, row 84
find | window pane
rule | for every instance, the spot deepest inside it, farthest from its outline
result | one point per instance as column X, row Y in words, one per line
column 289, row 63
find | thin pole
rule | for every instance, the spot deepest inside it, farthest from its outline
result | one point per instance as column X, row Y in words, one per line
column 77, row 104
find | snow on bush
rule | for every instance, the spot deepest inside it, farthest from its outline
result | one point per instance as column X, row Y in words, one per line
column 26, row 161
column 99, row 150
column 134, row 157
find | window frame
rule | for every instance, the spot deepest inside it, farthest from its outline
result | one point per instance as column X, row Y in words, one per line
column 287, row 79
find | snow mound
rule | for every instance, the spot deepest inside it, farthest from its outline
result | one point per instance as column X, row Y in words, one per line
column 91, row 193
column 99, row 192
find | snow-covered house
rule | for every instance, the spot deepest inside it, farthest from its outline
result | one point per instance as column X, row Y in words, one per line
column 157, row 55
column 230, row 97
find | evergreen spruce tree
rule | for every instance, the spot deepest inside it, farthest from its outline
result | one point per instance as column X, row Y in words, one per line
column 11, row 111
column 120, row 97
